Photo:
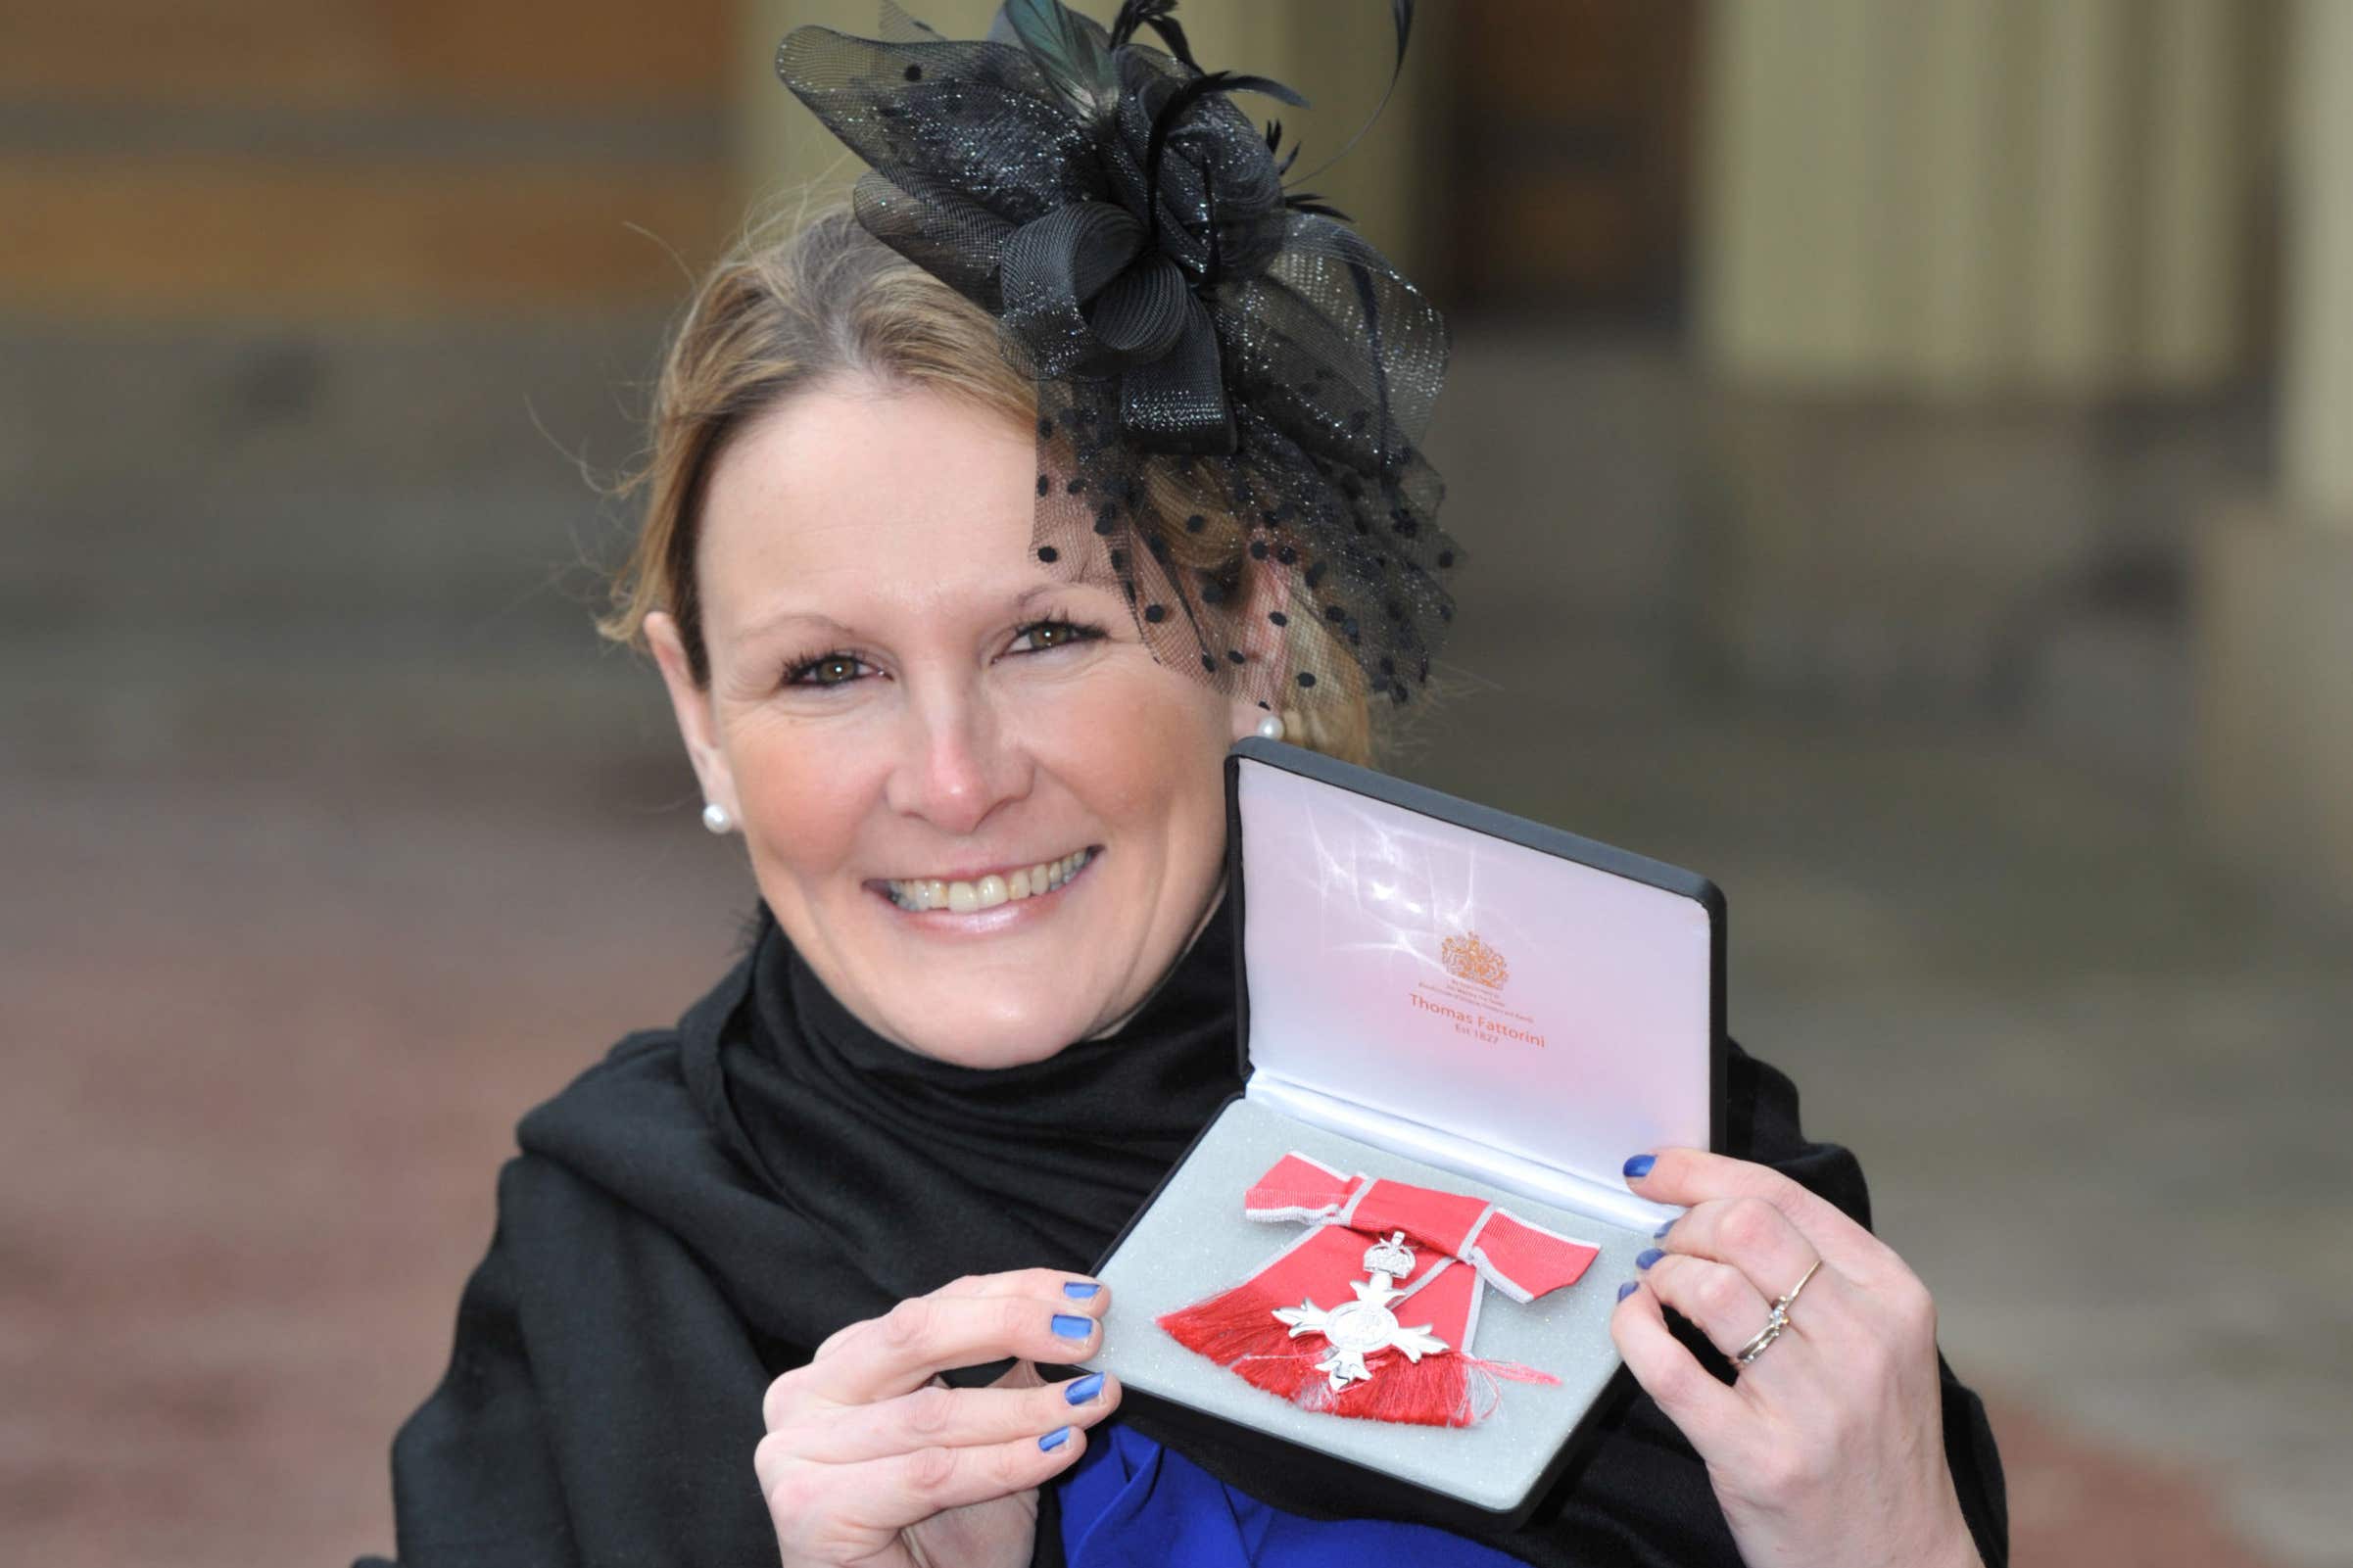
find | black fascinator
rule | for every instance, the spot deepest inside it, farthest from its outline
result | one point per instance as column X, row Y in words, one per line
column 1226, row 371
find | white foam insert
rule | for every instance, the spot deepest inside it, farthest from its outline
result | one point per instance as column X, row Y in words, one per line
column 1592, row 1043
column 1193, row 1242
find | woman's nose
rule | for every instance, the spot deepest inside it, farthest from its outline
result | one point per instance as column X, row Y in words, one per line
column 958, row 761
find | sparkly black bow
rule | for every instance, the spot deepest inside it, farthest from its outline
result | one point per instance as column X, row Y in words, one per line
column 1087, row 294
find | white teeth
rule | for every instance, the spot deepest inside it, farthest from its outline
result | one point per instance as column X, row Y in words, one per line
column 964, row 897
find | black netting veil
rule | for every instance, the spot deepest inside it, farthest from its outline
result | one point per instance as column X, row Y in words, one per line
column 1232, row 384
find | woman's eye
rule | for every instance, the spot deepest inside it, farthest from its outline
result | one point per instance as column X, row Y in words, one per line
column 1044, row 634
column 827, row 668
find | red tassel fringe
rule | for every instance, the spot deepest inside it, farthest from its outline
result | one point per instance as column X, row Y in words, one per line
column 1238, row 1329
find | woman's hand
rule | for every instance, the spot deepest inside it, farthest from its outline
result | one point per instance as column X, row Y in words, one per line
column 1830, row 1448
column 871, row 1459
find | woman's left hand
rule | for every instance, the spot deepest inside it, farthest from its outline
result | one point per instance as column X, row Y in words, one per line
column 1830, row 1447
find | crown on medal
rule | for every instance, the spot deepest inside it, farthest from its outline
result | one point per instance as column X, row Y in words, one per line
column 1392, row 1257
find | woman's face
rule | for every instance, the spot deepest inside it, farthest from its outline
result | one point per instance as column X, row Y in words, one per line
column 910, row 718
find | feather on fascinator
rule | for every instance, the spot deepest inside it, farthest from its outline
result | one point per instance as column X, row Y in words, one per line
column 1210, row 350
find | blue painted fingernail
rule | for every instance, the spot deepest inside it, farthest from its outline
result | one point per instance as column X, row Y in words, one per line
column 1055, row 1438
column 1085, row 1389
column 1639, row 1165
column 1073, row 1328
column 1660, row 1233
column 1647, row 1256
column 1079, row 1290
column 1627, row 1289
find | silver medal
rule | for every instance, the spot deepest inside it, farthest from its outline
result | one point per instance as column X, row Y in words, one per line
column 1365, row 1326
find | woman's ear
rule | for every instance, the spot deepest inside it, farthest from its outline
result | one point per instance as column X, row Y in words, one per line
column 691, row 705
column 1266, row 646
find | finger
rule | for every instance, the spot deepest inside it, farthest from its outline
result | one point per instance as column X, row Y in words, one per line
column 1028, row 1282
column 1690, row 1176
column 808, row 1499
column 1704, row 1408
column 1747, row 1234
column 939, row 1416
column 924, row 1335
column 1089, row 1295
column 1716, row 1298
column 913, row 1487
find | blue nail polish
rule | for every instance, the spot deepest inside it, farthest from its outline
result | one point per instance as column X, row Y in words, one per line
column 1640, row 1166
column 1647, row 1256
column 1080, row 1290
column 1627, row 1289
column 1083, row 1388
column 1055, row 1438
column 1660, row 1233
column 1073, row 1328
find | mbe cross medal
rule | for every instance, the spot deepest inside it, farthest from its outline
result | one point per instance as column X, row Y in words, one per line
column 1365, row 1326
column 1340, row 1361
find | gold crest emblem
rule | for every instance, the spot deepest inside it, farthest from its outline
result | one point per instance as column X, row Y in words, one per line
column 1467, row 958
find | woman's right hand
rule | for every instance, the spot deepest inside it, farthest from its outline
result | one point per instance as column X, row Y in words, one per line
column 871, row 1459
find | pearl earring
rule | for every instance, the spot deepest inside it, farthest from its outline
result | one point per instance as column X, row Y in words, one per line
column 716, row 819
column 1271, row 727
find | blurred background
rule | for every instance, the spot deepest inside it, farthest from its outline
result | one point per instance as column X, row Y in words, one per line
column 1904, row 445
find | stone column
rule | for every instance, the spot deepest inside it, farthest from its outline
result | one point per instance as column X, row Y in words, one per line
column 1968, row 197
column 2275, row 579
column 1937, row 239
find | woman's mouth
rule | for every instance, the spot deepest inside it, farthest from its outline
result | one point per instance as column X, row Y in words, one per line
column 965, row 896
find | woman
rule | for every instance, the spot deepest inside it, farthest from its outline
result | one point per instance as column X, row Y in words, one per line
column 957, row 641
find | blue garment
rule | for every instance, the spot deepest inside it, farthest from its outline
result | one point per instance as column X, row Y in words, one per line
column 1132, row 1503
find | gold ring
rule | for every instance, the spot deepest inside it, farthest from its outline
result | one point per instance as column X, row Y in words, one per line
column 1774, row 1325
column 1791, row 1299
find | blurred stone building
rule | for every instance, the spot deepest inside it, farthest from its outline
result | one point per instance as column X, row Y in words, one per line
column 1958, row 357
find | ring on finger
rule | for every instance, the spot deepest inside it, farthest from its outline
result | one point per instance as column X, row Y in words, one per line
column 1777, row 1322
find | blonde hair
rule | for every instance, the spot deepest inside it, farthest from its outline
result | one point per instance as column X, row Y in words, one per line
column 799, row 304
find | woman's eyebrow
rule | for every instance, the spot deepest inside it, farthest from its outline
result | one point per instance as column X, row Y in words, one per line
column 1042, row 590
column 818, row 619
column 787, row 617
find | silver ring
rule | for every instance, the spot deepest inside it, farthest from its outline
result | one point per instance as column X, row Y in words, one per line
column 1775, row 1323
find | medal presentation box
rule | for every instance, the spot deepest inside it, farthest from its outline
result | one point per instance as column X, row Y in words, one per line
column 1436, row 995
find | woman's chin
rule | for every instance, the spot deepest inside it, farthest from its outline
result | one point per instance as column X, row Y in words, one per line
column 987, row 1037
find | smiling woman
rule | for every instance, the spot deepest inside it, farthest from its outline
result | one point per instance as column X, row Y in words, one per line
column 980, row 522
column 899, row 694
column 926, row 733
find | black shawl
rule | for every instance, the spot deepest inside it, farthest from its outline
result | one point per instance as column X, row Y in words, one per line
column 700, row 1209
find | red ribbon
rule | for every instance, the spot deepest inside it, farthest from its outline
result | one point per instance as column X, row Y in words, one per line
column 1461, row 1246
